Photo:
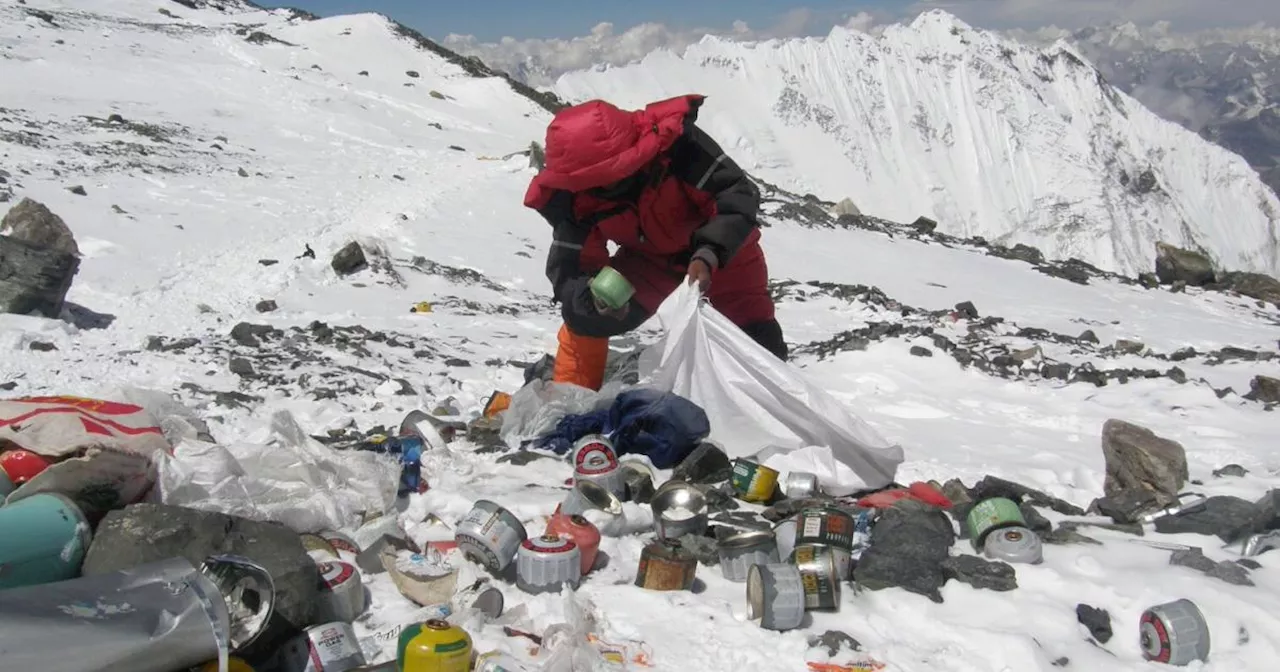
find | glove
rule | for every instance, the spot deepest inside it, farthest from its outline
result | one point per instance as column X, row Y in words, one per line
column 605, row 310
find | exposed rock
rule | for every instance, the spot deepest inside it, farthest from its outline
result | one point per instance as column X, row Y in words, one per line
column 349, row 259
column 34, row 279
column 1036, row 522
column 639, row 483
column 920, row 351
column 980, row 572
column 1087, row 336
column 834, row 641
column 924, row 225
column 1227, row 571
column 486, row 432
column 1098, row 621
column 1136, row 458
column 1232, row 470
column 908, row 548
column 266, row 306
column 967, row 310
column 1265, row 389
column 1126, row 506
column 241, row 367
column 1126, row 347
column 413, row 74
column 789, row 507
column 1175, row 264
column 1228, row 518
column 1253, row 285
column 994, row 486
column 706, row 464
column 143, row 533
column 78, row 190
column 33, row 223
column 846, row 207
column 537, row 156
column 1148, row 280
column 41, row 346
column 248, row 335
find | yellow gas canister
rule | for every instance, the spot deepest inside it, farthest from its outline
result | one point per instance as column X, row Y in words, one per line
column 434, row 646
column 234, row 664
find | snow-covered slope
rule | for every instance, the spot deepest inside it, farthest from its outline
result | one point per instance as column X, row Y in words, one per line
column 235, row 152
column 987, row 136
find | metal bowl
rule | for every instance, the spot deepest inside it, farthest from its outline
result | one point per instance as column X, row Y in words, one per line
column 249, row 592
column 678, row 494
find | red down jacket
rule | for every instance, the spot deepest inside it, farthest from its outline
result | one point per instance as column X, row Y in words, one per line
column 659, row 187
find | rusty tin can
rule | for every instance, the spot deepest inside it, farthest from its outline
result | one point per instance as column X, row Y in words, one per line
column 666, row 565
column 820, row 575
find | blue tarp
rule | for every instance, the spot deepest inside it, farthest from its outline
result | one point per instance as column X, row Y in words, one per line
column 662, row 426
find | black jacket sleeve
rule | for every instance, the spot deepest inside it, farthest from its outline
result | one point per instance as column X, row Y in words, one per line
column 700, row 162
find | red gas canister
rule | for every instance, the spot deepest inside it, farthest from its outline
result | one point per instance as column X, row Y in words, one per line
column 581, row 532
column 22, row 465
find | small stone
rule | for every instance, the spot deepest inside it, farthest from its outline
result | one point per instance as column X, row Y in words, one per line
column 486, row 432
column 920, row 351
column 834, row 642
column 1194, row 558
column 706, row 464
column 242, row 172
column 413, row 74
column 1087, row 336
column 456, row 362
column 980, row 572
column 41, row 346
column 1232, row 470
column 349, row 259
column 1228, row 518
column 268, row 262
column 266, row 306
column 77, row 190
column 705, row 548
column 8, row 386
column 1264, row 389
column 1127, row 347
column 1098, row 621
column 241, row 366
column 1137, row 458
column 1036, row 522
column 1177, row 375
column 639, row 484
column 967, row 309
column 406, row 389
column 249, row 335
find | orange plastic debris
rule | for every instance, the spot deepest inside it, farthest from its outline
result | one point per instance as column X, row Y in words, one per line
column 498, row 402
column 919, row 491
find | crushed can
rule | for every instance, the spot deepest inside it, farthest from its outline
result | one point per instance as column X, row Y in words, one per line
column 43, row 538
column 108, row 622
column 738, row 553
column 434, row 646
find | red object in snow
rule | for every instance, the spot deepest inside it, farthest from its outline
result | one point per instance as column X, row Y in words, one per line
column 22, row 465
column 919, row 491
column 581, row 532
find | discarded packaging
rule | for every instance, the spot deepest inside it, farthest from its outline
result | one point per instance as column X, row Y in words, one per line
column 43, row 538
column 775, row 596
column 546, row 562
column 319, row 548
column 582, row 532
column 249, row 593
column 345, row 546
column 594, row 460
column 481, row 596
column 820, row 574
column 112, row 618
column 497, row 403
column 587, row 495
column 342, row 594
column 1174, row 633
column 497, row 661
column 434, row 646
column 329, row 647
column 752, row 481
column 1188, row 502
column 679, row 508
column 425, row 578
column 1255, row 544
column 665, row 565
column 741, row 551
column 21, row 466
column 490, row 536
column 990, row 515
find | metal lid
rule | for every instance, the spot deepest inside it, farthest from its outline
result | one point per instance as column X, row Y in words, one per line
column 249, row 593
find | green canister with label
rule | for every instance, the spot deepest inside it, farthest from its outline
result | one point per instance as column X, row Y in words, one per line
column 990, row 515
column 611, row 288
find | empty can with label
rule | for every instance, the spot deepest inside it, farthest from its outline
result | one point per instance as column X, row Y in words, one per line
column 490, row 536
column 341, row 592
column 820, row 575
column 775, row 596
column 329, row 647
column 752, row 481
column 665, row 565
column 544, row 563
column 344, row 546
column 594, row 460
column 434, row 646
column 990, row 515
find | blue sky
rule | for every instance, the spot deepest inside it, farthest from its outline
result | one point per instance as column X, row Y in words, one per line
column 489, row 20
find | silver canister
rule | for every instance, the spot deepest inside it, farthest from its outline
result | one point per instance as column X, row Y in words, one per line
column 679, row 508
column 482, row 596
column 775, row 596
column 328, row 647
column 1014, row 545
column 108, row 622
column 490, row 536
column 544, row 563
column 587, row 495
column 595, row 460
column 739, row 552
column 1174, row 633
column 342, row 594
column 800, row 484
column 784, row 532
column 820, row 574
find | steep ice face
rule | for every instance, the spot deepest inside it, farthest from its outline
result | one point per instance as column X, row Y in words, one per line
column 986, row 135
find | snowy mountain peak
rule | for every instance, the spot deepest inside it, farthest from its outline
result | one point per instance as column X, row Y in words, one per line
column 986, row 135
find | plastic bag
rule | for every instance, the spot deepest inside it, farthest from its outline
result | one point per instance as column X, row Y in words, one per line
column 759, row 405
column 539, row 406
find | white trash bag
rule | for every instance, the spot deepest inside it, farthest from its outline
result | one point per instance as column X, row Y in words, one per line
column 761, row 407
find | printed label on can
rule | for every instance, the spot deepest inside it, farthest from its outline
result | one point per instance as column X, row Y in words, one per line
column 820, row 576
column 335, row 573
column 595, row 459
column 342, row 544
column 826, row 526
column 477, row 549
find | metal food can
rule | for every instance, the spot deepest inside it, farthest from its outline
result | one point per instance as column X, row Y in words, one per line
column 329, row 647
column 1174, row 633
column 800, row 484
column 595, row 460
column 820, row 575
column 752, row 481
column 990, row 515
column 434, row 646
column 785, row 534
column 842, row 558
column 341, row 592
column 344, row 546
column 587, row 495
column 827, row 526
column 582, row 532
column 775, row 596
column 490, row 536
column 497, row 661
column 1014, row 544
column 665, row 565
column 679, row 521
column 319, row 548
column 740, row 552
column 482, row 597
column 544, row 563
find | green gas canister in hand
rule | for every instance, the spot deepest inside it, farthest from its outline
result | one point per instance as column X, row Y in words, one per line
column 611, row 289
